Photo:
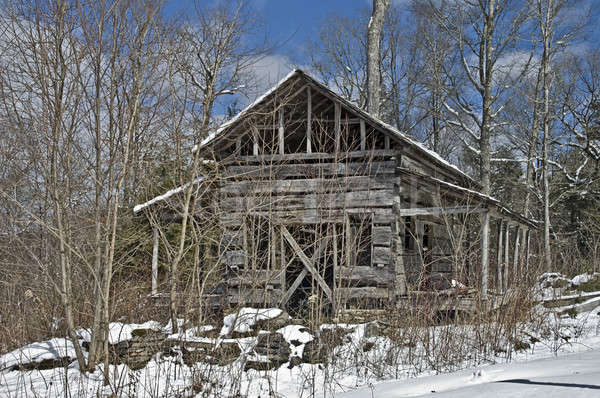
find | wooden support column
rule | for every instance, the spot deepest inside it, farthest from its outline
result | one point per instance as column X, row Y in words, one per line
column 386, row 141
column 337, row 116
column 499, row 256
column 506, row 254
column 527, row 252
column 254, row 140
column 485, row 246
column 281, row 132
column 308, row 120
column 154, row 260
column 516, row 254
column 363, row 136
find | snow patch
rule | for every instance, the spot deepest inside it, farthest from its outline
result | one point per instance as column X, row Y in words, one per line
column 243, row 320
column 56, row 348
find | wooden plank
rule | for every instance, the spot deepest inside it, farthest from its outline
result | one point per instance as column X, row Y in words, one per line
column 307, row 216
column 360, row 276
column 307, row 263
column 337, row 115
column 431, row 211
column 499, row 285
column 382, row 235
column 310, row 185
column 234, row 258
column 302, row 275
column 266, row 159
column 363, row 136
column 318, row 170
column 155, row 243
column 506, row 254
column 254, row 141
column 516, row 253
column 254, row 277
column 255, row 296
column 281, row 131
column 364, row 292
column 381, row 255
column 308, row 120
column 365, row 199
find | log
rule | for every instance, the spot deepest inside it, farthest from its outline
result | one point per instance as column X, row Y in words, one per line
column 361, row 276
column 317, row 170
column 364, row 199
column 382, row 235
column 310, row 185
column 307, row 216
column 363, row 292
column 381, row 255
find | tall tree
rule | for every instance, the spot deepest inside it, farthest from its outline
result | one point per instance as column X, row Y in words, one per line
column 374, row 33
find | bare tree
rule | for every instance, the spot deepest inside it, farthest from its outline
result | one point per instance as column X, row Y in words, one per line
column 374, row 56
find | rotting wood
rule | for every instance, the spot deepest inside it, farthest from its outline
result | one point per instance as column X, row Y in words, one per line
column 382, row 235
column 308, row 216
column 288, row 294
column 365, row 199
column 308, row 120
column 499, row 257
column 361, row 276
column 310, row 170
column 348, row 293
column 155, row 244
column 307, row 262
column 363, row 136
column 337, row 115
column 266, row 160
column 428, row 211
column 506, row 254
column 281, row 131
column 516, row 254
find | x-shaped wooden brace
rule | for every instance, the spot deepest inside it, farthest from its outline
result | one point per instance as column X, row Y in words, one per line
column 308, row 267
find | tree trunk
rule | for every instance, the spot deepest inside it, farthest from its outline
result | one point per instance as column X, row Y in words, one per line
column 374, row 56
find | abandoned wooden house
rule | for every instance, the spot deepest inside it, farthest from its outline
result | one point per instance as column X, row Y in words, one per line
column 318, row 200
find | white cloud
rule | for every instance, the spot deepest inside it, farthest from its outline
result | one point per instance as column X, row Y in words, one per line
column 269, row 70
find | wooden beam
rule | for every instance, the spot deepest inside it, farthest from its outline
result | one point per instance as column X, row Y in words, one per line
column 430, row 211
column 281, row 132
column 527, row 249
column 516, row 253
column 302, row 275
column 338, row 115
column 363, row 136
column 154, row 260
column 307, row 262
column 254, row 140
column 485, row 248
column 308, row 120
column 506, row 254
column 499, row 256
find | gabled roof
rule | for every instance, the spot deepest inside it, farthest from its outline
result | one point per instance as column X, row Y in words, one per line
column 430, row 155
column 391, row 130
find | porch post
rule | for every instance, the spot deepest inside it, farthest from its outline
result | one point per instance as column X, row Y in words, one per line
column 485, row 237
column 506, row 253
column 499, row 255
column 516, row 253
column 527, row 252
column 154, row 260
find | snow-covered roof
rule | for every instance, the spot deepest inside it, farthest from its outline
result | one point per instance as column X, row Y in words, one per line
column 432, row 155
column 165, row 195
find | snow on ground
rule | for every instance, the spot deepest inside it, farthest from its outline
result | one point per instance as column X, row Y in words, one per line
column 37, row 352
column 120, row 331
column 575, row 375
column 355, row 365
column 243, row 320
